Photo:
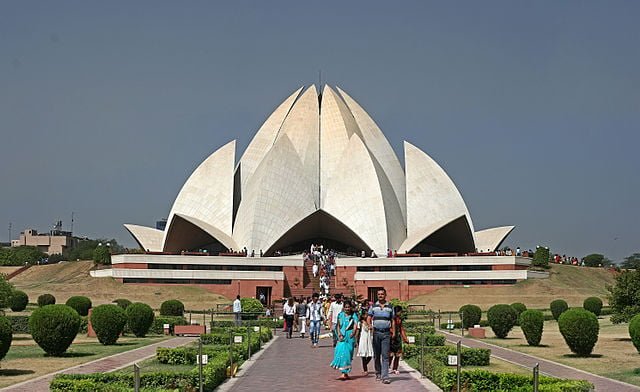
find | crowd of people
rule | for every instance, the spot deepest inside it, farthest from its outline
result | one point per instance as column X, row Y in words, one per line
column 324, row 265
column 370, row 331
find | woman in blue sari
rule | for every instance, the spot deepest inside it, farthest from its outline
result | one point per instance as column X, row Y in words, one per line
column 346, row 329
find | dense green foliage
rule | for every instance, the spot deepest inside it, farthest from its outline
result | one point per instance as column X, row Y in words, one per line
column 46, row 299
column 20, row 255
column 122, row 302
column 80, row 304
column 634, row 331
column 532, row 323
column 631, row 262
column 483, row 380
column 54, row 327
column 596, row 260
column 84, row 249
column 580, row 329
column 519, row 307
column 139, row 318
column 18, row 301
column 108, row 322
column 501, row 318
column 6, row 289
column 558, row 307
column 624, row 296
column 251, row 305
column 593, row 304
column 470, row 315
column 6, row 336
column 172, row 307
column 541, row 257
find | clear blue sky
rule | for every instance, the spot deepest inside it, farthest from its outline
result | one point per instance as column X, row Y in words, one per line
column 533, row 108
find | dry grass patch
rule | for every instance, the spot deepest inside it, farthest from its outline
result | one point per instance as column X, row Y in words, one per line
column 72, row 278
column 571, row 283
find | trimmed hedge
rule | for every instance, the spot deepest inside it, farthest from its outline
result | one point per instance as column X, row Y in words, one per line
column 46, row 299
column 411, row 350
column 634, row 331
column 157, row 326
column 19, row 324
column 265, row 322
column 18, row 301
column 501, row 318
column 468, row 356
column 54, row 327
column 483, row 380
column 139, row 318
column 122, row 302
column 593, row 304
column 108, row 322
column 558, row 307
column 519, row 307
column 457, row 324
column 80, row 304
column 6, row 336
column 532, row 323
column 188, row 355
column 172, row 307
column 579, row 328
column 471, row 315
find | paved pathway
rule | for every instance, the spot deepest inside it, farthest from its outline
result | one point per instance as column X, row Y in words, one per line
column 292, row 365
column 106, row 364
column 547, row 367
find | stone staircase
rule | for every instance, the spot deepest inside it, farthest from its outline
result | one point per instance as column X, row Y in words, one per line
column 310, row 284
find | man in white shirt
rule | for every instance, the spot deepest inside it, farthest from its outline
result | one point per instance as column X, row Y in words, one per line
column 237, row 311
column 334, row 311
column 315, row 314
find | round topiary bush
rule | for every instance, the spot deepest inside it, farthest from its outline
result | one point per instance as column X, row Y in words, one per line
column 54, row 327
column 558, row 307
column 501, row 319
column 139, row 318
column 579, row 328
column 108, row 322
column 80, row 304
column 18, row 301
column 471, row 315
column 122, row 302
column 6, row 336
column 532, row 323
column 251, row 305
column 634, row 331
column 519, row 307
column 46, row 299
column 593, row 304
column 173, row 307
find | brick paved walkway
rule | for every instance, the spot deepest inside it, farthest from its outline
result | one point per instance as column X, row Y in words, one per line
column 106, row 364
column 547, row 367
column 292, row 365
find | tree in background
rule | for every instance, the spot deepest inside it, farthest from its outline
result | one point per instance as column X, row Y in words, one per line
column 20, row 255
column 541, row 257
column 85, row 249
column 624, row 296
column 631, row 262
column 6, row 289
column 596, row 260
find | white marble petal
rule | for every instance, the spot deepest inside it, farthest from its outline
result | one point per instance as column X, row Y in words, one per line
column 488, row 240
column 208, row 193
column 278, row 196
column 264, row 139
column 147, row 237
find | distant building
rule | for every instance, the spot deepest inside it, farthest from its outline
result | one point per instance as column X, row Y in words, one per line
column 56, row 241
column 161, row 224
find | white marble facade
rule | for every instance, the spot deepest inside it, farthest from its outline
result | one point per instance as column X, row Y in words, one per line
column 319, row 152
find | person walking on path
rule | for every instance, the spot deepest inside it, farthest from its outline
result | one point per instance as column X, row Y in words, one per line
column 365, row 342
column 237, row 311
column 314, row 269
column 399, row 336
column 289, row 310
column 380, row 317
column 346, row 329
column 334, row 311
column 301, row 311
column 315, row 314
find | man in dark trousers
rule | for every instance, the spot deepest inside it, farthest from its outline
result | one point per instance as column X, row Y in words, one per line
column 381, row 319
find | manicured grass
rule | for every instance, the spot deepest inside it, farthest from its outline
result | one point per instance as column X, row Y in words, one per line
column 26, row 360
column 571, row 283
column 613, row 356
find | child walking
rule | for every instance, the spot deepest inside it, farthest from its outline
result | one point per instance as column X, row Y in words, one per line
column 395, row 350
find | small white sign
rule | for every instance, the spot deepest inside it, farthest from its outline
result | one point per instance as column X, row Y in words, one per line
column 412, row 339
column 256, row 329
column 205, row 359
column 237, row 339
column 452, row 360
column 165, row 326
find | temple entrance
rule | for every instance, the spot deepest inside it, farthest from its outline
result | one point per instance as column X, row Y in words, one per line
column 263, row 294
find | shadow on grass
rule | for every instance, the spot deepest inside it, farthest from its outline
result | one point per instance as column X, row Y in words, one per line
column 15, row 372
column 540, row 345
column 583, row 356
column 71, row 355
column 622, row 339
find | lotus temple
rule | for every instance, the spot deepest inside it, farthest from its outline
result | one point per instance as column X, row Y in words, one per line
column 318, row 171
